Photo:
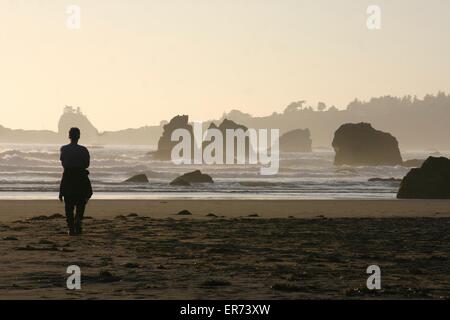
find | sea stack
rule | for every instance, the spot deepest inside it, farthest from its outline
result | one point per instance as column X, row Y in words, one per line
column 223, row 127
column 431, row 181
column 165, row 144
column 362, row 145
column 296, row 141
column 73, row 117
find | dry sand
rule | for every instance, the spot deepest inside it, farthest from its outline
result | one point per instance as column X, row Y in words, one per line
column 141, row 250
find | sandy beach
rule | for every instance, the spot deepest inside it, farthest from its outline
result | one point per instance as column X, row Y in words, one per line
column 242, row 250
column 229, row 150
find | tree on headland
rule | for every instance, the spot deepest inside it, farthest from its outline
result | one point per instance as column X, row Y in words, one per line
column 295, row 106
column 416, row 122
column 321, row 106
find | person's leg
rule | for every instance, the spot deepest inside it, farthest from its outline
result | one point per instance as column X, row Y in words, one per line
column 81, row 206
column 69, row 206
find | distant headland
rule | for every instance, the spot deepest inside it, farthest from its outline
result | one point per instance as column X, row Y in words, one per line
column 417, row 123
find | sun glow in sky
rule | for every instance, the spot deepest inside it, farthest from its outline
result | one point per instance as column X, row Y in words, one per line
column 134, row 63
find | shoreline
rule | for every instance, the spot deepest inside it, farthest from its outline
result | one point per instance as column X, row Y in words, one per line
column 12, row 210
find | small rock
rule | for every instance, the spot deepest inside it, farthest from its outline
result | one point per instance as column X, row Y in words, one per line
column 140, row 178
column 180, row 182
column 192, row 177
column 211, row 215
column 184, row 213
column 9, row 238
column 107, row 277
column 56, row 216
column 254, row 215
column 39, row 218
column 131, row 265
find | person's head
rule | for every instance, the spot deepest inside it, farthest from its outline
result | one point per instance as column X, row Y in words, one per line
column 74, row 134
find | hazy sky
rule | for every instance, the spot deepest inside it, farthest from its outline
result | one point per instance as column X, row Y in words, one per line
column 137, row 62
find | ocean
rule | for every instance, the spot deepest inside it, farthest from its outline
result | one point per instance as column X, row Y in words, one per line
column 34, row 171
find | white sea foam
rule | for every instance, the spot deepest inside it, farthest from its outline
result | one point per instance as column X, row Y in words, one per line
column 30, row 171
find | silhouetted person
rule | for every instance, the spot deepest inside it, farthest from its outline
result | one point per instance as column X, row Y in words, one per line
column 75, row 186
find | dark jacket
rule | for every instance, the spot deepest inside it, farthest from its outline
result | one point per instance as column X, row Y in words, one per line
column 75, row 184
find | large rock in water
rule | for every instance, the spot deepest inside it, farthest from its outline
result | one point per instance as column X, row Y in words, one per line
column 431, row 181
column 140, row 178
column 296, row 141
column 165, row 143
column 192, row 177
column 360, row 144
column 223, row 127
column 180, row 182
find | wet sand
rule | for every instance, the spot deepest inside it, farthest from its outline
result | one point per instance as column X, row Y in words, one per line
column 11, row 210
column 141, row 250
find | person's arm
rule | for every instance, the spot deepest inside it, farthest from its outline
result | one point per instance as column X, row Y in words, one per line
column 62, row 179
column 88, row 159
column 61, row 156
column 61, row 190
